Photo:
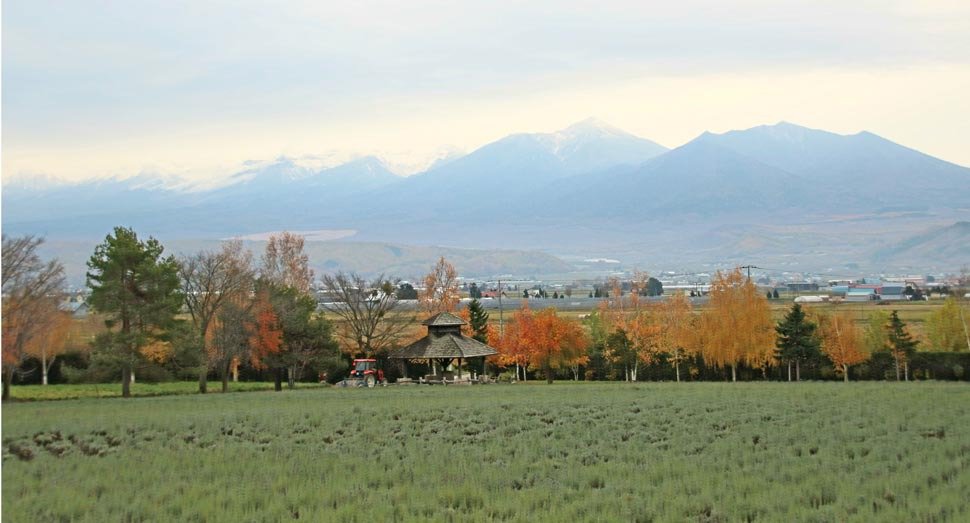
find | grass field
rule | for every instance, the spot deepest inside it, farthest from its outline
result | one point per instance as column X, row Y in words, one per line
column 565, row 452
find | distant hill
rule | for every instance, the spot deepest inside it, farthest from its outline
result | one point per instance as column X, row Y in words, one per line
column 929, row 248
column 366, row 258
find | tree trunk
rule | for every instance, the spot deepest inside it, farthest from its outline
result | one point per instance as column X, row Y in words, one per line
column 43, row 366
column 278, row 379
column 845, row 373
column 734, row 373
column 291, row 377
column 798, row 370
column 7, row 380
column 789, row 371
column 547, row 369
column 896, row 364
column 126, row 380
column 677, row 369
column 203, row 377
column 225, row 376
column 906, row 370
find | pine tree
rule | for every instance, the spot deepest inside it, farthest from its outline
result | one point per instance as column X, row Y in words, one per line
column 797, row 340
column 901, row 344
column 137, row 290
column 478, row 321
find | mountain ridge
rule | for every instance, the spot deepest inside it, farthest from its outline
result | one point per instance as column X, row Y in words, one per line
column 589, row 187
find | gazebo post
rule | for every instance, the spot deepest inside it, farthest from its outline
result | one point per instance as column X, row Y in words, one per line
column 459, row 368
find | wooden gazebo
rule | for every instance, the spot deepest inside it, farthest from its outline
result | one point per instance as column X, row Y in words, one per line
column 444, row 343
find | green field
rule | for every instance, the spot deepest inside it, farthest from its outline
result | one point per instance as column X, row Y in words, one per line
column 565, row 452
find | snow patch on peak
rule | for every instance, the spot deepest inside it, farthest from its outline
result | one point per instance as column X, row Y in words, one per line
column 592, row 126
column 324, row 160
column 408, row 162
column 32, row 181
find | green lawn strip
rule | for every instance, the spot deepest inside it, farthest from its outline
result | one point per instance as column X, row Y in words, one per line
column 113, row 390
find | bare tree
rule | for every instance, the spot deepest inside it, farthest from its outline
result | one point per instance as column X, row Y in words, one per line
column 210, row 280
column 364, row 309
column 285, row 264
column 32, row 292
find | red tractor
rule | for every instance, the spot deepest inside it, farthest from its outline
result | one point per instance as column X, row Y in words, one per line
column 365, row 374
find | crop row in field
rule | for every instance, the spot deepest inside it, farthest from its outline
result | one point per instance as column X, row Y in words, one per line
column 701, row 452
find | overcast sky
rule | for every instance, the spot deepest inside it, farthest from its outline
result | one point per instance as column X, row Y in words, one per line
column 196, row 87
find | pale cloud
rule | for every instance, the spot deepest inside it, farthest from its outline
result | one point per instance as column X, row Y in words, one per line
column 199, row 87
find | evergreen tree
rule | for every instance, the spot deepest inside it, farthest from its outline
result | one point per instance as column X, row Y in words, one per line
column 774, row 294
column 307, row 337
column 474, row 292
column 406, row 291
column 654, row 287
column 900, row 343
column 138, row 290
column 797, row 340
column 478, row 321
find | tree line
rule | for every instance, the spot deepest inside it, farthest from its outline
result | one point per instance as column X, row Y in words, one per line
column 734, row 331
column 214, row 311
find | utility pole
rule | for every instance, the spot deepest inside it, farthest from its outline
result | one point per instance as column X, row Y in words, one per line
column 749, row 267
column 501, row 317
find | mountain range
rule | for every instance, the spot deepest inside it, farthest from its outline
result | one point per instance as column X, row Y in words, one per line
column 781, row 195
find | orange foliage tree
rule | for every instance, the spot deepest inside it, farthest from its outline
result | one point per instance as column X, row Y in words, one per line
column 633, row 328
column 643, row 334
column 561, row 343
column 543, row 338
column 440, row 288
column 514, row 341
column 676, row 337
column 737, row 327
column 841, row 341
column 267, row 338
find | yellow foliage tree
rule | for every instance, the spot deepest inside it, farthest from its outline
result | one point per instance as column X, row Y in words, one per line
column 737, row 328
column 946, row 328
column 842, row 341
column 677, row 338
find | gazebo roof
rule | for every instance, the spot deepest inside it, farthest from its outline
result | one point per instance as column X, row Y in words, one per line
column 443, row 319
column 443, row 346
